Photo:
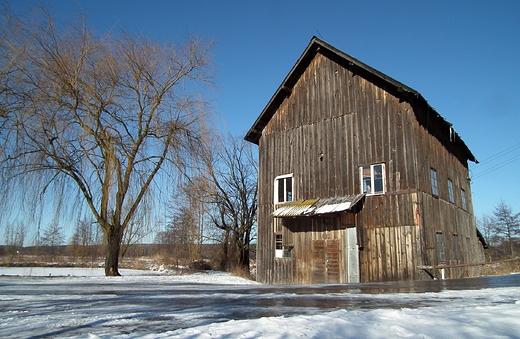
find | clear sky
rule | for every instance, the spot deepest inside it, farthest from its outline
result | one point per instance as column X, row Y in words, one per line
column 462, row 56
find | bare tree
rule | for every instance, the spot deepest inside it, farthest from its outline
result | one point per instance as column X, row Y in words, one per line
column 52, row 237
column 193, row 210
column 487, row 226
column 507, row 224
column 172, row 244
column 137, row 230
column 185, row 226
column 101, row 117
column 15, row 234
column 232, row 173
column 86, row 238
column 85, row 233
column 184, row 230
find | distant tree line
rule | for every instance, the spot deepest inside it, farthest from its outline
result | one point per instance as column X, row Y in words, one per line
column 501, row 231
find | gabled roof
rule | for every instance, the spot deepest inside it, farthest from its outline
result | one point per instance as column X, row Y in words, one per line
column 426, row 115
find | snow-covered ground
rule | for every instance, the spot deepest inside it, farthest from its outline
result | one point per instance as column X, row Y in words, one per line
column 82, row 303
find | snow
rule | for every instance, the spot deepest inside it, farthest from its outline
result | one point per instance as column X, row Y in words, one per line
column 207, row 277
column 82, row 303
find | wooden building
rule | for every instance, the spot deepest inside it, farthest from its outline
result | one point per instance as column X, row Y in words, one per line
column 360, row 180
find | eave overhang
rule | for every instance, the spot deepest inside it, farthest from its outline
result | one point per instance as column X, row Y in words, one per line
column 482, row 240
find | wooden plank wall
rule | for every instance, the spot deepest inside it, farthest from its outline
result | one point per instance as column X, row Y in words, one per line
column 451, row 221
column 391, row 239
column 390, row 254
column 319, row 249
column 332, row 123
column 356, row 125
column 439, row 214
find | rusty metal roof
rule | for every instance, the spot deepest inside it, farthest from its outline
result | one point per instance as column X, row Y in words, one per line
column 294, row 208
column 310, row 207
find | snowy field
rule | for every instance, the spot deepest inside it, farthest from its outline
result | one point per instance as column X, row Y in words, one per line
column 82, row 303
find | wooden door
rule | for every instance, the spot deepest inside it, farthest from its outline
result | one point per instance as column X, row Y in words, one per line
column 326, row 261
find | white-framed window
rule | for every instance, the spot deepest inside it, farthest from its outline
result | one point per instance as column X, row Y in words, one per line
column 435, row 184
column 282, row 251
column 283, row 188
column 450, row 191
column 278, row 245
column 463, row 199
column 373, row 179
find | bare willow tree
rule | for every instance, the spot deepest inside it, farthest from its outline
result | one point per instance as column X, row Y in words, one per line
column 101, row 116
column 231, row 172
column 13, row 52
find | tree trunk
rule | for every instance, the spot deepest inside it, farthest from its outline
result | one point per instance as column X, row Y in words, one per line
column 114, row 237
column 225, row 256
column 244, row 258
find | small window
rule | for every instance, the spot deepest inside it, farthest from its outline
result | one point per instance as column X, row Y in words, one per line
column 282, row 251
column 456, row 249
column 278, row 252
column 435, row 185
column 373, row 179
column 463, row 198
column 450, row 191
column 283, row 188
column 279, row 245
column 440, row 248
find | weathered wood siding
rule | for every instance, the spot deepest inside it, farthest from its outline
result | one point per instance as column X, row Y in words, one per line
column 333, row 122
column 319, row 253
column 439, row 215
column 391, row 242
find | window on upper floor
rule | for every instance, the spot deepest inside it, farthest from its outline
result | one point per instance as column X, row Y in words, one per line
column 450, row 191
column 373, row 179
column 435, row 184
column 463, row 199
column 283, row 188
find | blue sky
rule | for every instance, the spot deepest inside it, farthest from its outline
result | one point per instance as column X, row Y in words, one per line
column 462, row 56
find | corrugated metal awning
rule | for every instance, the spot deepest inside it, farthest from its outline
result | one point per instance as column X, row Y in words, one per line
column 307, row 208
column 293, row 209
